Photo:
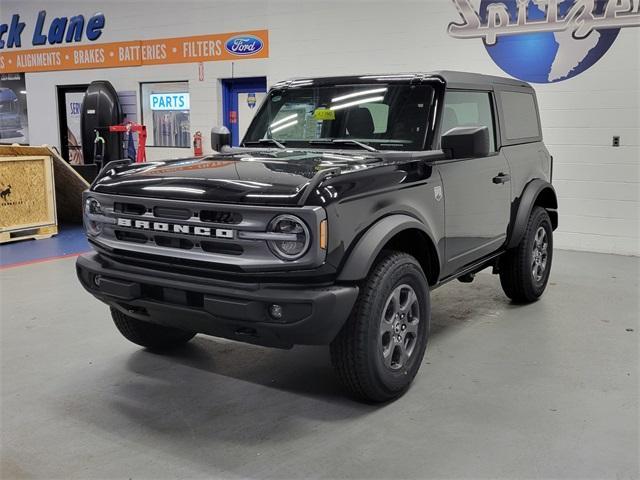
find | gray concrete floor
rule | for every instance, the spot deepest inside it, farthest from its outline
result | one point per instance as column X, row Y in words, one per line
column 548, row 390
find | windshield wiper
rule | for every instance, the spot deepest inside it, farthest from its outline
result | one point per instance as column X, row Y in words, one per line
column 355, row 142
column 345, row 140
column 272, row 141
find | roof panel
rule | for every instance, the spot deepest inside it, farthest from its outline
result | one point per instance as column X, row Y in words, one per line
column 452, row 78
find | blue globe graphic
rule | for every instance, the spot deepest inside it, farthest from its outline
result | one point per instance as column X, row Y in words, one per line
column 549, row 56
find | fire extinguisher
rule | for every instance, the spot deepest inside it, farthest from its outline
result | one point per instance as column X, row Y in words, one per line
column 197, row 143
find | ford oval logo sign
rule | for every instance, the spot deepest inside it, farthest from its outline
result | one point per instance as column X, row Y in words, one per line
column 244, row 45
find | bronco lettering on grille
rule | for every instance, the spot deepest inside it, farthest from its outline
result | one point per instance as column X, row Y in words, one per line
column 175, row 228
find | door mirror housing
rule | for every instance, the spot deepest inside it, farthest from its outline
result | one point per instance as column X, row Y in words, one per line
column 220, row 138
column 466, row 142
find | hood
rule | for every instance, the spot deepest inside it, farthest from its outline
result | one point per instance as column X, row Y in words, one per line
column 257, row 177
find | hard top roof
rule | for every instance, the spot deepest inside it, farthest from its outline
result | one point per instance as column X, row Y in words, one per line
column 452, row 78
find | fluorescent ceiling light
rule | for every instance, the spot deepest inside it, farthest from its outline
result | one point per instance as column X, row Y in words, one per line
column 261, row 195
column 282, row 120
column 356, row 102
column 175, row 189
column 286, row 125
column 400, row 76
column 359, row 94
column 341, row 157
column 242, row 183
column 262, row 159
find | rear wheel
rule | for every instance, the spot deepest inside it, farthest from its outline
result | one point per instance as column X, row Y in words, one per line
column 150, row 335
column 380, row 348
column 524, row 270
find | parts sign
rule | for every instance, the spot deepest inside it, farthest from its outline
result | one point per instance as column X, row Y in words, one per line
column 169, row 101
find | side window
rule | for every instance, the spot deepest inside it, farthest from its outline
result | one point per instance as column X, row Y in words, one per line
column 468, row 109
column 520, row 115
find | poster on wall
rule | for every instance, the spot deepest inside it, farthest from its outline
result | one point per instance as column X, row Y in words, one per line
column 73, row 104
column 13, row 109
column 247, row 103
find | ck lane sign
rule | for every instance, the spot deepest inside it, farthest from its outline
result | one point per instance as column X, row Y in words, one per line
column 545, row 41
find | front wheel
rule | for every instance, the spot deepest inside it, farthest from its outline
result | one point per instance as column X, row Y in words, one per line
column 150, row 335
column 524, row 270
column 380, row 348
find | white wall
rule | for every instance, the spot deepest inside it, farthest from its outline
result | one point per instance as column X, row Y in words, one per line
column 598, row 185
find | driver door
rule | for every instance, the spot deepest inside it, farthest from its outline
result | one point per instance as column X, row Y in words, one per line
column 476, row 191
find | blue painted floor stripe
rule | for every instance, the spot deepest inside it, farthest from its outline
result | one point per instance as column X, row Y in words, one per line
column 70, row 239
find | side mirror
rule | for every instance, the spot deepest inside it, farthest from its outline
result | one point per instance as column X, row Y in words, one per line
column 220, row 138
column 466, row 142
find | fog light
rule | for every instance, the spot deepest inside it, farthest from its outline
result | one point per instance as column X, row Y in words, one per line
column 96, row 280
column 275, row 311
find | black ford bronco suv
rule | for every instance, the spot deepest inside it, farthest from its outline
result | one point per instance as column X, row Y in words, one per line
column 347, row 201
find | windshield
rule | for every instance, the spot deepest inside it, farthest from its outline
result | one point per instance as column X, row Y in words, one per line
column 393, row 117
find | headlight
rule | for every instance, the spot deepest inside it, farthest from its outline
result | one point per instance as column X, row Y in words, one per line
column 92, row 207
column 297, row 242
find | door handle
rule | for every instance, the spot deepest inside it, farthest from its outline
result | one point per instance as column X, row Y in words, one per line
column 501, row 178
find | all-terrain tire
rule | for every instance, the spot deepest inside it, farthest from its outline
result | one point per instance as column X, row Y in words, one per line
column 358, row 351
column 519, row 280
column 150, row 335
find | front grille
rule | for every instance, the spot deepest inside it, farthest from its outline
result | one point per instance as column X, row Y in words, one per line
column 129, row 208
column 231, row 237
column 168, row 264
column 131, row 236
column 176, row 213
column 214, row 216
column 221, row 247
column 223, row 275
column 173, row 242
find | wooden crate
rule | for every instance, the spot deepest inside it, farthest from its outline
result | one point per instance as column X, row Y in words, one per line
column 69, row 184
column 27, row 199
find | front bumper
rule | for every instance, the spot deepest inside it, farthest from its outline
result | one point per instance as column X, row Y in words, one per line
column 239, row 311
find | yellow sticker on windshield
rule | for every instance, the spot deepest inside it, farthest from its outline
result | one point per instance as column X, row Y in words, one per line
column 324, row 114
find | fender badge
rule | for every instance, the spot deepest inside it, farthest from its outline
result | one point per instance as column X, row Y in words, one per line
column 437, row 192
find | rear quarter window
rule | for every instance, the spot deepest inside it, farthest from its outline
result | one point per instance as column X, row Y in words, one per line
column 520, row 116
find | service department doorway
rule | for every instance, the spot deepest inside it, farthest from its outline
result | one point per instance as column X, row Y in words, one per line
column 69, row 108
column 240, row 99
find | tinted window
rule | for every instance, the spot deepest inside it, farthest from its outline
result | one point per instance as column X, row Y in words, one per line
column 468, row 109
column 520, row 115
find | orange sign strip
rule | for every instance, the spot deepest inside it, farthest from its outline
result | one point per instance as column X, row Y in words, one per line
column 200, row 48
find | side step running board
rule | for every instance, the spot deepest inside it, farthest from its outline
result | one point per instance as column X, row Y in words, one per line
column 467, row 274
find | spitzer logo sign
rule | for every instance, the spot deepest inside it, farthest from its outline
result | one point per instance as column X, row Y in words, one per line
column 545, row 41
